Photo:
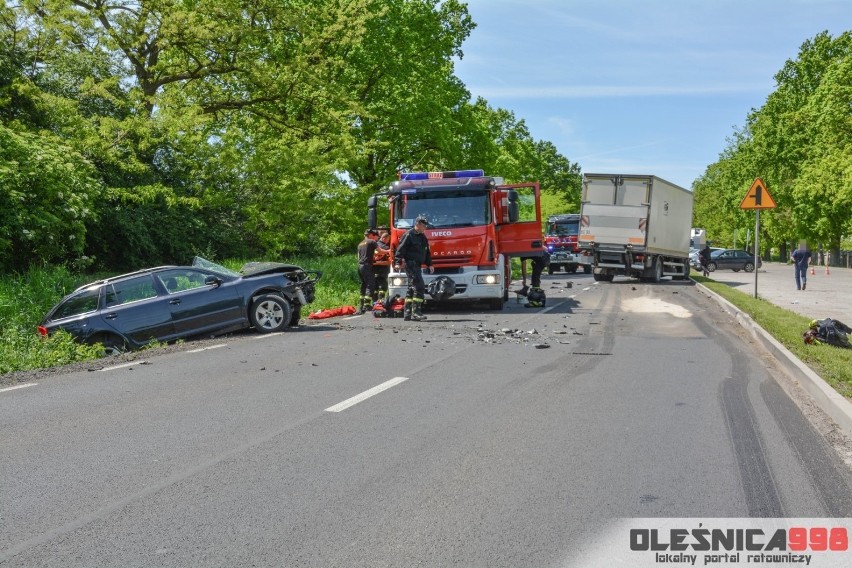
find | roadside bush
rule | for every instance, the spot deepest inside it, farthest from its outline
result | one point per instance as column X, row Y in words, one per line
column 23, row 349
column 24, row 300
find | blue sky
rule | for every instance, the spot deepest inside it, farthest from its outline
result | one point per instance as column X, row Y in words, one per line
column 637, row 86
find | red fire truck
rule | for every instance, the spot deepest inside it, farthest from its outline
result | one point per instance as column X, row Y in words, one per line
column 476, row 224
column 561, row 241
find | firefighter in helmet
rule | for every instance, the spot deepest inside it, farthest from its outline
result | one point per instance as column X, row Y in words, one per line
column 413, row 252
column 366, row 254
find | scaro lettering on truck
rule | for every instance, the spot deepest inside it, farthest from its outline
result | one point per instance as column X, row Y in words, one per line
column 451, row 252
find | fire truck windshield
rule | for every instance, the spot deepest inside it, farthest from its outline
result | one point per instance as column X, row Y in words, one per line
column 563, row 229
column 443, row 209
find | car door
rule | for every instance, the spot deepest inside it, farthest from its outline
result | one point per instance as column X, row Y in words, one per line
column 737, row 260
column 725, row 260
column 198, row 306
column 136, row 309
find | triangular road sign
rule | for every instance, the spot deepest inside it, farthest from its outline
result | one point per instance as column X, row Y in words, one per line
column 757, row 197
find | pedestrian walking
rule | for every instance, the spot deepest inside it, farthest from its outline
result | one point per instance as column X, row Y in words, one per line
column 801, row 258
column 413, row 252
column 704, row 259
column 366, row 254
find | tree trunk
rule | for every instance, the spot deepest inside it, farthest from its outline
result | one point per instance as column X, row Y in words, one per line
column 783, row 253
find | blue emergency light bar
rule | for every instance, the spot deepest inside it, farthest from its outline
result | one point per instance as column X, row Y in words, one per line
column 413, row 176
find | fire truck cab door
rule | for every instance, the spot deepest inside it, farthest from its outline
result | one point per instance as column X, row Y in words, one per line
column 523, row 236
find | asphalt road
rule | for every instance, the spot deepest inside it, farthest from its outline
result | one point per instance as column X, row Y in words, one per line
column 484, row 448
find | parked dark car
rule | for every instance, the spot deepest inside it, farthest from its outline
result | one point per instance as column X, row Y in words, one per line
column 732, row 259
column 171, row 302
column 693, row 257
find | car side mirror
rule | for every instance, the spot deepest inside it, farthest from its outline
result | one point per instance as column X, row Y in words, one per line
column 213, row 281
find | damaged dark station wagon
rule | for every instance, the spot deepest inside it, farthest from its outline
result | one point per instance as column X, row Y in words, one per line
column 173, row 302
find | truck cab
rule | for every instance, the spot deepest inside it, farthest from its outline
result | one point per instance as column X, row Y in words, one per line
column 476, row 224
column 561, row 242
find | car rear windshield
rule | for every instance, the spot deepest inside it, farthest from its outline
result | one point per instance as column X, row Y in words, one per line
column 84, row 302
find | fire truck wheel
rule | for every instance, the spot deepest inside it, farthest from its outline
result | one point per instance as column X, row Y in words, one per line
column 496, row 304
column 270, row 313
column 587, row 269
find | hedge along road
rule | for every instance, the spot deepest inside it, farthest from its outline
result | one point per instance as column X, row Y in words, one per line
column 371, row 442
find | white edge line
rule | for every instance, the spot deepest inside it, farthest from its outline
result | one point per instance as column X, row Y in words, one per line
column 207, row 348
column 123, row 366
column 366, row 394
column 18, row 387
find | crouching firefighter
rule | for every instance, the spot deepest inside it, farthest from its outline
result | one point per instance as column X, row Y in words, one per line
column 366, row 253
column 413, row 252
column 535, row 296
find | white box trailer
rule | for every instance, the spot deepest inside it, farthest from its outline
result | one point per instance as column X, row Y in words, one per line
column 635, row 225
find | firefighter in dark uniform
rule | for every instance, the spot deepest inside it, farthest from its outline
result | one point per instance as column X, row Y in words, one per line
column 535, row 297
column 366, row 253
column 413, row 251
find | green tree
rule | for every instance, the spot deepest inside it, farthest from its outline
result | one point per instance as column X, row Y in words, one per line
column 47, row 192
column 798, row 142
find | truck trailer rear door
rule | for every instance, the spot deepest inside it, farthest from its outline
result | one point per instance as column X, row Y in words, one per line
column 521, row 236
column 615, row 209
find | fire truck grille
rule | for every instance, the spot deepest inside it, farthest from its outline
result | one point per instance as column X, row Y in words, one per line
column 451, row 260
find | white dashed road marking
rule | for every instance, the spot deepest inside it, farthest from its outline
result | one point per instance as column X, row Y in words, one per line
column 16, row 387
column 265, row 336
column 366, row 394
column 207, row 348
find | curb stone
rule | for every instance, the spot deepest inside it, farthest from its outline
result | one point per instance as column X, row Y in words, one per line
column 829, row 400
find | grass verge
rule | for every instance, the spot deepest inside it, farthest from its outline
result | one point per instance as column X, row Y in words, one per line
column 831, row 363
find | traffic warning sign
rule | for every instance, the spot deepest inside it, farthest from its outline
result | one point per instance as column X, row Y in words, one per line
column 757, row 197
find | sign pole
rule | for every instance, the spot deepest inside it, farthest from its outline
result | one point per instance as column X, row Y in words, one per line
column 757, row 198
column 756, row 248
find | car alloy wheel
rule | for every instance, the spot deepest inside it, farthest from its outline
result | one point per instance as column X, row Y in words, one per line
column 270, row 313
column 711, row 267
column 749, row 267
